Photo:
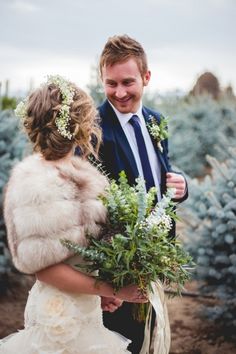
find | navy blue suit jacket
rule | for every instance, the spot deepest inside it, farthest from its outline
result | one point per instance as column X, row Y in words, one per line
column 116, row 154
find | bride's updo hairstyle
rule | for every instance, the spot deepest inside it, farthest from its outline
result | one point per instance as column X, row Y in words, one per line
column 45, row 107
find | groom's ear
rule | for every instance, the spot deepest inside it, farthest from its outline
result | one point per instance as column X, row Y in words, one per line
column 146, row 78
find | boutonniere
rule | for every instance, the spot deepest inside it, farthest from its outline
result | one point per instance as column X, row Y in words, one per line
column 158, row 130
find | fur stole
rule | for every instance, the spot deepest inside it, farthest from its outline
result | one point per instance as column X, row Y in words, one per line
column 46, row 202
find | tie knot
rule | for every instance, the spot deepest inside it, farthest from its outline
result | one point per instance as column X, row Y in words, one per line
column 134, row 120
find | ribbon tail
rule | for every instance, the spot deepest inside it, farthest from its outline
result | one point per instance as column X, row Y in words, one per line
column 161, row 336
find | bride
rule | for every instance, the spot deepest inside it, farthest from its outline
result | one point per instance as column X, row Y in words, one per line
column 52, row 195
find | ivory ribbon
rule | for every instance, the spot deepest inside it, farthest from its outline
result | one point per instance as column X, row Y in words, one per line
column 161, row 334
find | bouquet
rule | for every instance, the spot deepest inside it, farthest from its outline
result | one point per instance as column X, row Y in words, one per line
column 135, row 247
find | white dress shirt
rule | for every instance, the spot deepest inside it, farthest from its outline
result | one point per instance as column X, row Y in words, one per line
column 130, row 135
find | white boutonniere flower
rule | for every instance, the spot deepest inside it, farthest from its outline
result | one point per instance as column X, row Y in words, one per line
column 158, row 130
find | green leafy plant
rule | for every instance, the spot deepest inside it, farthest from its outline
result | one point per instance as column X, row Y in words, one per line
column 210, row 219
column 135, row 247
column 12, row 149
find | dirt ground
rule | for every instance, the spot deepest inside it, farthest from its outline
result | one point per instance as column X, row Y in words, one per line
column 190, row 333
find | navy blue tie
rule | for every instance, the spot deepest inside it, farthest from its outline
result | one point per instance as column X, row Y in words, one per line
column 147, row 172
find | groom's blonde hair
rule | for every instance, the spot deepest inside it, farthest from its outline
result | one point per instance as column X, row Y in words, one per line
column 119, row 49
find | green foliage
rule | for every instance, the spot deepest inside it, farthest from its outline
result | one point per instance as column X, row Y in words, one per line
column 136, row 248
column 127, row 204
column 199, row 126
column 8, row 102
column 210, row 216
column 12, row 146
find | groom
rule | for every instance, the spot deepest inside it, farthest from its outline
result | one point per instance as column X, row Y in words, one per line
column 127, row 145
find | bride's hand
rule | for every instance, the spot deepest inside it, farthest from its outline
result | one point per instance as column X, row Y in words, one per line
column 110, row 304
column 132, row 293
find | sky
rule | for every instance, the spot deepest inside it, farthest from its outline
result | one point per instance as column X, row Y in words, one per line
column 182, row 39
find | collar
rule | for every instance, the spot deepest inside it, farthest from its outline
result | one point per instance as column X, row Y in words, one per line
column 125, row 117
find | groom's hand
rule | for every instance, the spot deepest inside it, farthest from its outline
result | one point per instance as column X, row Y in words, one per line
column 110, row 304
column 177, row 181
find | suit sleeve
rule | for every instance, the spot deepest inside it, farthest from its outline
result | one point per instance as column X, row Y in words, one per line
column 169, row 168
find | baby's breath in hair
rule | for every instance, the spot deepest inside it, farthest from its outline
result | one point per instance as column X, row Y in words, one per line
column 20, row 110
column 63, row 119
column 67, row 92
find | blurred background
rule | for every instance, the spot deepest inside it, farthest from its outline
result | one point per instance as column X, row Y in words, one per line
column 191, row 52
column 182, row 39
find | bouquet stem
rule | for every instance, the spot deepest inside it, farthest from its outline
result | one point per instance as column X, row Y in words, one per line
column 140, row 311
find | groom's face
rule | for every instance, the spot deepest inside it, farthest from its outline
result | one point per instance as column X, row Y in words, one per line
column 123, row 85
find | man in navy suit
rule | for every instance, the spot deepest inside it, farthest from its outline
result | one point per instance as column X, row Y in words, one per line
column 124, row 72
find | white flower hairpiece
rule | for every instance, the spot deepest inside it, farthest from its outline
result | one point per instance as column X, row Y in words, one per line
column 63, row 119
column 20, row 110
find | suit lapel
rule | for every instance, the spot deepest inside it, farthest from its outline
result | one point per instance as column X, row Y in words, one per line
column 112, row 130
column 147, row 118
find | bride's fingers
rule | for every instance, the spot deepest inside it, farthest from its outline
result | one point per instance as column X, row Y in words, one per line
column 110, row 308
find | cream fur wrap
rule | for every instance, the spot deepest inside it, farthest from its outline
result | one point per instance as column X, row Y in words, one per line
column 46, row 202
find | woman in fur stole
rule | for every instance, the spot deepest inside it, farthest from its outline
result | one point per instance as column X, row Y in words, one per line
column 53, row 195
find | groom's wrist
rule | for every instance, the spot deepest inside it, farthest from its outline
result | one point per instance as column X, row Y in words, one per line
column 104, row 289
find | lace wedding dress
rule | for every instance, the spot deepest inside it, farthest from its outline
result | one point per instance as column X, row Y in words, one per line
column 61, row 323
